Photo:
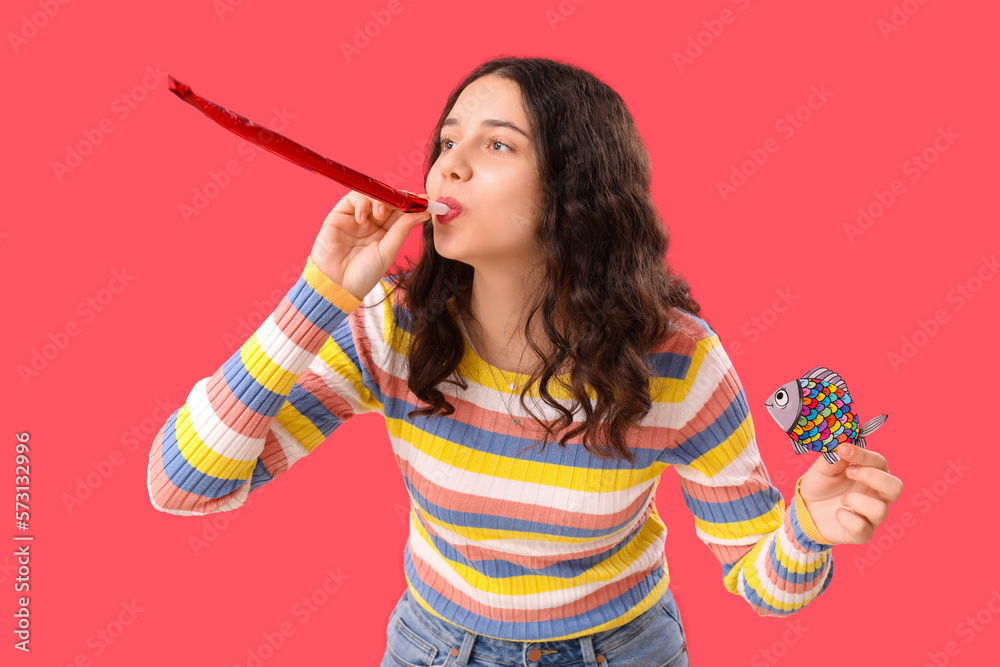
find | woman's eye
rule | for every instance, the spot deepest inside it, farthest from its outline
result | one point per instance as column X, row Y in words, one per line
column 492, row 142
column 497, row 141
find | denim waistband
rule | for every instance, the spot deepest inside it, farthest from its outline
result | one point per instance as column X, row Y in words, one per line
column 587, row 649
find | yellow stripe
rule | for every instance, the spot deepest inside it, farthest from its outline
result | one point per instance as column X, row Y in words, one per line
column 300, row 427
column 476, row 370
column 328, row 289
column 532, row 584
column 805, row 519
column 340, row 363
column 504, row 467
column 264, row 370
column 647, row 602
column 761, row 525
column 752, row 575
column 702, row 348
column 756, row 580
column 715, row 460
column 202, row 457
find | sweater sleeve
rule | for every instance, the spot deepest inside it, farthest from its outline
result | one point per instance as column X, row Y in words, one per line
column 307, row 369
column 771, row 556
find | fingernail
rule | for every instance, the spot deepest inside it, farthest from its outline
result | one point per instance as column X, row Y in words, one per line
column 852, row 470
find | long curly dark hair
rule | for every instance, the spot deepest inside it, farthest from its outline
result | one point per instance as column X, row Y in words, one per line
column 606, row 295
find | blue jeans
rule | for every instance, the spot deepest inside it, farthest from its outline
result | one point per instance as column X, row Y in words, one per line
column 417, row 638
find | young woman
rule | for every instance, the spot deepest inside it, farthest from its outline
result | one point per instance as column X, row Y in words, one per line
column 537, row 370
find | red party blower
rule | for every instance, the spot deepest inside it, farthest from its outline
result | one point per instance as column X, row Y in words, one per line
column 302, row 156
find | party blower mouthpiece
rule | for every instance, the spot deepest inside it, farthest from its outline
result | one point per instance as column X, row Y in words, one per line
column 302, row 156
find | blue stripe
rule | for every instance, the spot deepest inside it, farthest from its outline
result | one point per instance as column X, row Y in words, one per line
column 527, row 631
column 498, row 568
column 482, row 439
column 261, row 475
column 715, row 433
column 185, row 476
column 806, row 541
column 670, row 365
column 754, row 598
column 314, row 307
column 343, row 336
column 248, row 391
column 749, row 507
column 792, row 577
column 324, row 419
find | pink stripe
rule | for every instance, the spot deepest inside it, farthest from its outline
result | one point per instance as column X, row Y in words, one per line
column 582, row 606
column 722, row 397
column 457, row 501
column 730, row 554
column 777, row 580
column 168, row 495
column 273, row 456
column 477, row 553
column 757, row 481
column 297, row 327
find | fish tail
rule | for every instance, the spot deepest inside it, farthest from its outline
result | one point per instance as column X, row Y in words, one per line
column 860, row 442
column 872, row 425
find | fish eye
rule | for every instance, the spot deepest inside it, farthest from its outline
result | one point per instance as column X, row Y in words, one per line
column 781, row 398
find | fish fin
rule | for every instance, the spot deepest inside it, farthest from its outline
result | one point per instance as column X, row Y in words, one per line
column 831, row 457
column 799, row 447
column 860, row 442
column 825, row 374
column 872, row 425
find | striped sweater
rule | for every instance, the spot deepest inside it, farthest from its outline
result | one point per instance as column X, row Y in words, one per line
column 505, row 541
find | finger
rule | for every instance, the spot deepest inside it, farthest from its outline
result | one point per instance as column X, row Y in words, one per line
column 888, row 487
column 355, row 197
column 857, row 527
column 364, row 208
column 872, row 509
column 862, row 457
column 380, row 212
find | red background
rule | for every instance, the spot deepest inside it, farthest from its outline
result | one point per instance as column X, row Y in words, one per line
column 196, row 283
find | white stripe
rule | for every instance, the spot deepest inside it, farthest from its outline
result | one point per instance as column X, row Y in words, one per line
column 373, row 327
column 459, row 480
column 713, row 369
column 796, row 554
column 293, row 449
column 214, row 433
column 796, row 599
column 231, row 504
column 729, row 541
column 536, row 601
column 281, row 350
column 736, row 473
column 527, row 547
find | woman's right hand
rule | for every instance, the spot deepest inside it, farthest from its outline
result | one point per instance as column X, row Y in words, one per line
column 360, row 240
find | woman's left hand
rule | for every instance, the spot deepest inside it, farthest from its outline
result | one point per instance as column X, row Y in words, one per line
column 846, row 507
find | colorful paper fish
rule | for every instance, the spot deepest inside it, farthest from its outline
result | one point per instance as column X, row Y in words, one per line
column 816, row 411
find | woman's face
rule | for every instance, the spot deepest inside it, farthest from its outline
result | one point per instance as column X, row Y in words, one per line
column 492, row 170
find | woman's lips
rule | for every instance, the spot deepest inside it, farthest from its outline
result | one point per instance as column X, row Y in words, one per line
column 455, row 207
